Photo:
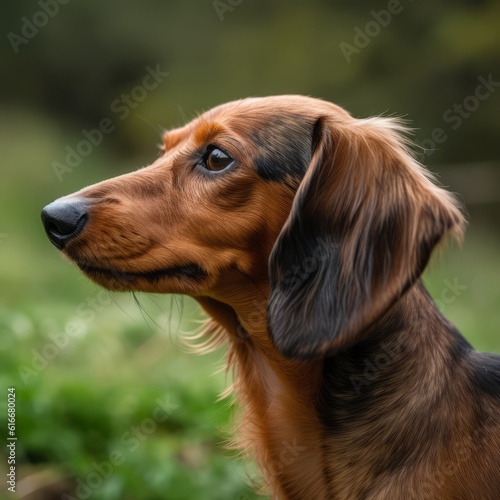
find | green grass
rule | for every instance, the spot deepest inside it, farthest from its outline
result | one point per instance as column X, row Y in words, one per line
column 99, row 393
column 84, row 406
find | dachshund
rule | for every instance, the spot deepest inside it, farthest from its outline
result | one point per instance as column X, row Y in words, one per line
column 303, row 233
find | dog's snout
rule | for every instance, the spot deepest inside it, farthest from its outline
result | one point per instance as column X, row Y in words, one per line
column 63, row 220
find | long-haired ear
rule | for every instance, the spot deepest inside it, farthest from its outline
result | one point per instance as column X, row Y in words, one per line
column 363, row 224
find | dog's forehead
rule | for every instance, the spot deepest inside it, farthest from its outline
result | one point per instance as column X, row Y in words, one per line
column 265, row 106
column 277, row 116
column 261, row 115
column 260, row 119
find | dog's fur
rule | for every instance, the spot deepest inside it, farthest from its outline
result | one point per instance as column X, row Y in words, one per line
column 307, row 253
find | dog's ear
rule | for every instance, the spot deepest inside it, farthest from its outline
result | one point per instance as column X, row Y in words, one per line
column 363, row 224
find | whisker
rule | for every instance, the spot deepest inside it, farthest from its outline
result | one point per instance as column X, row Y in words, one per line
column 121, row 308
column 144, row 312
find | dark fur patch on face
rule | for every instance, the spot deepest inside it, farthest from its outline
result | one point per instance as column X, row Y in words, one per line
column 285, row 145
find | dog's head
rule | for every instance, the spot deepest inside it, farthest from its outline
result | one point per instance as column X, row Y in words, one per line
column 329, row 213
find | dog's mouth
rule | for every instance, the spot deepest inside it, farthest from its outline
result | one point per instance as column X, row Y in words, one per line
column 123, row 280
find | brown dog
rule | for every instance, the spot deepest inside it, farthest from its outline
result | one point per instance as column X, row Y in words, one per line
column 303, row 233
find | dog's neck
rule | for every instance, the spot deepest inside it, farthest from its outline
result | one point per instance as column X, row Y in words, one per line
column 290, row 405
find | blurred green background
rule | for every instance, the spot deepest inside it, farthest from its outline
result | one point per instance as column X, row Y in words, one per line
column 117, row 409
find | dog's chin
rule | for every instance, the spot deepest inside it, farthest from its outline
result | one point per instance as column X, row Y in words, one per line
column 175, row 279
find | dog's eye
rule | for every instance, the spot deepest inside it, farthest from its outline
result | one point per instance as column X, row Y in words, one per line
column 216, row 160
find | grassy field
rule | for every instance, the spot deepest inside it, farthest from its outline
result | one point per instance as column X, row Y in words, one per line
column 107, row 399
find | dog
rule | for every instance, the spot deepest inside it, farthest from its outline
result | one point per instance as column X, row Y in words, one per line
column 303, row 233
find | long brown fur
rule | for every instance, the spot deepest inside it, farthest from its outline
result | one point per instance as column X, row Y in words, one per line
column 307, row 253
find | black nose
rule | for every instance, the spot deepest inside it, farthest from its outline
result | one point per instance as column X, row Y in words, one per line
column 63, row 220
